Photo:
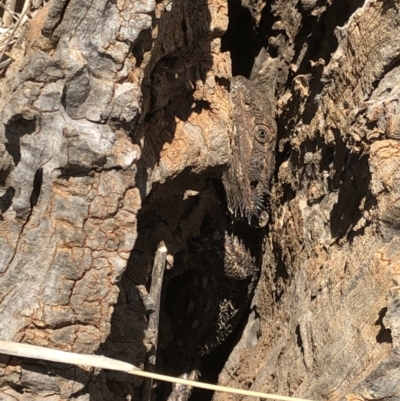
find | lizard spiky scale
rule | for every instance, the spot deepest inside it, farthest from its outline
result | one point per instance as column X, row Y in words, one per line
column 238, row 262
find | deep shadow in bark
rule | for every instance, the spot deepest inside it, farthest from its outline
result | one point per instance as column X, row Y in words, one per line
column 213, row 363
column 298, row 339
column 317, row 31
column 353, row 187
column 37, row 185
column 243, row 52
column 141, row 46
column 193, row 229
column 281, row 275
column 6, row 199
column 15, row 129
column 167, row 87
column 384, row 335
column 244, row 39
column 203, row 332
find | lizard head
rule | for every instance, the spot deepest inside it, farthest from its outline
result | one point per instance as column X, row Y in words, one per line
column 248, row 177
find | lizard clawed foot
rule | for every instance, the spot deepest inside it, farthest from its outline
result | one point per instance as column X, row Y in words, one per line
column 181, row 392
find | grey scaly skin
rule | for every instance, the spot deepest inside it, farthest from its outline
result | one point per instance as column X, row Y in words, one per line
column 223, row 269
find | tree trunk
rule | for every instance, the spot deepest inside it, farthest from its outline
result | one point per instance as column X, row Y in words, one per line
column 115, row 129
column 325, row 320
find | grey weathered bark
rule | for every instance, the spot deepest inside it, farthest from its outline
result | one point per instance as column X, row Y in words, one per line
column 95, row 110
column 114, row 117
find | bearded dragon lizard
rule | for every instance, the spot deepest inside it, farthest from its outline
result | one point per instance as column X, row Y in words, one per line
column 225, row 293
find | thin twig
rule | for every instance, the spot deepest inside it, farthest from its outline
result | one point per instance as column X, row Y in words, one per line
column 157, row 276
column 13, row 31
column 47, row 354
column 8, row 17
column 5, row 8
column 5, row 63
column 27, row 4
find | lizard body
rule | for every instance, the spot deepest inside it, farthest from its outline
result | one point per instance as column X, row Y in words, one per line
column 222, row 267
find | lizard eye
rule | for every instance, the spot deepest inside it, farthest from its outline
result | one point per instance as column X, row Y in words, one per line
column 261, row 134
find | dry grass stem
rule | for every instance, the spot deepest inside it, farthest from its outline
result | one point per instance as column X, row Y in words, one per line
column 8, row 15
column 47, row 354
column 9, row 35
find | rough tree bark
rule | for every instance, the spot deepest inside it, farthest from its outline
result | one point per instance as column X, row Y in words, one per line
column 115, row 120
